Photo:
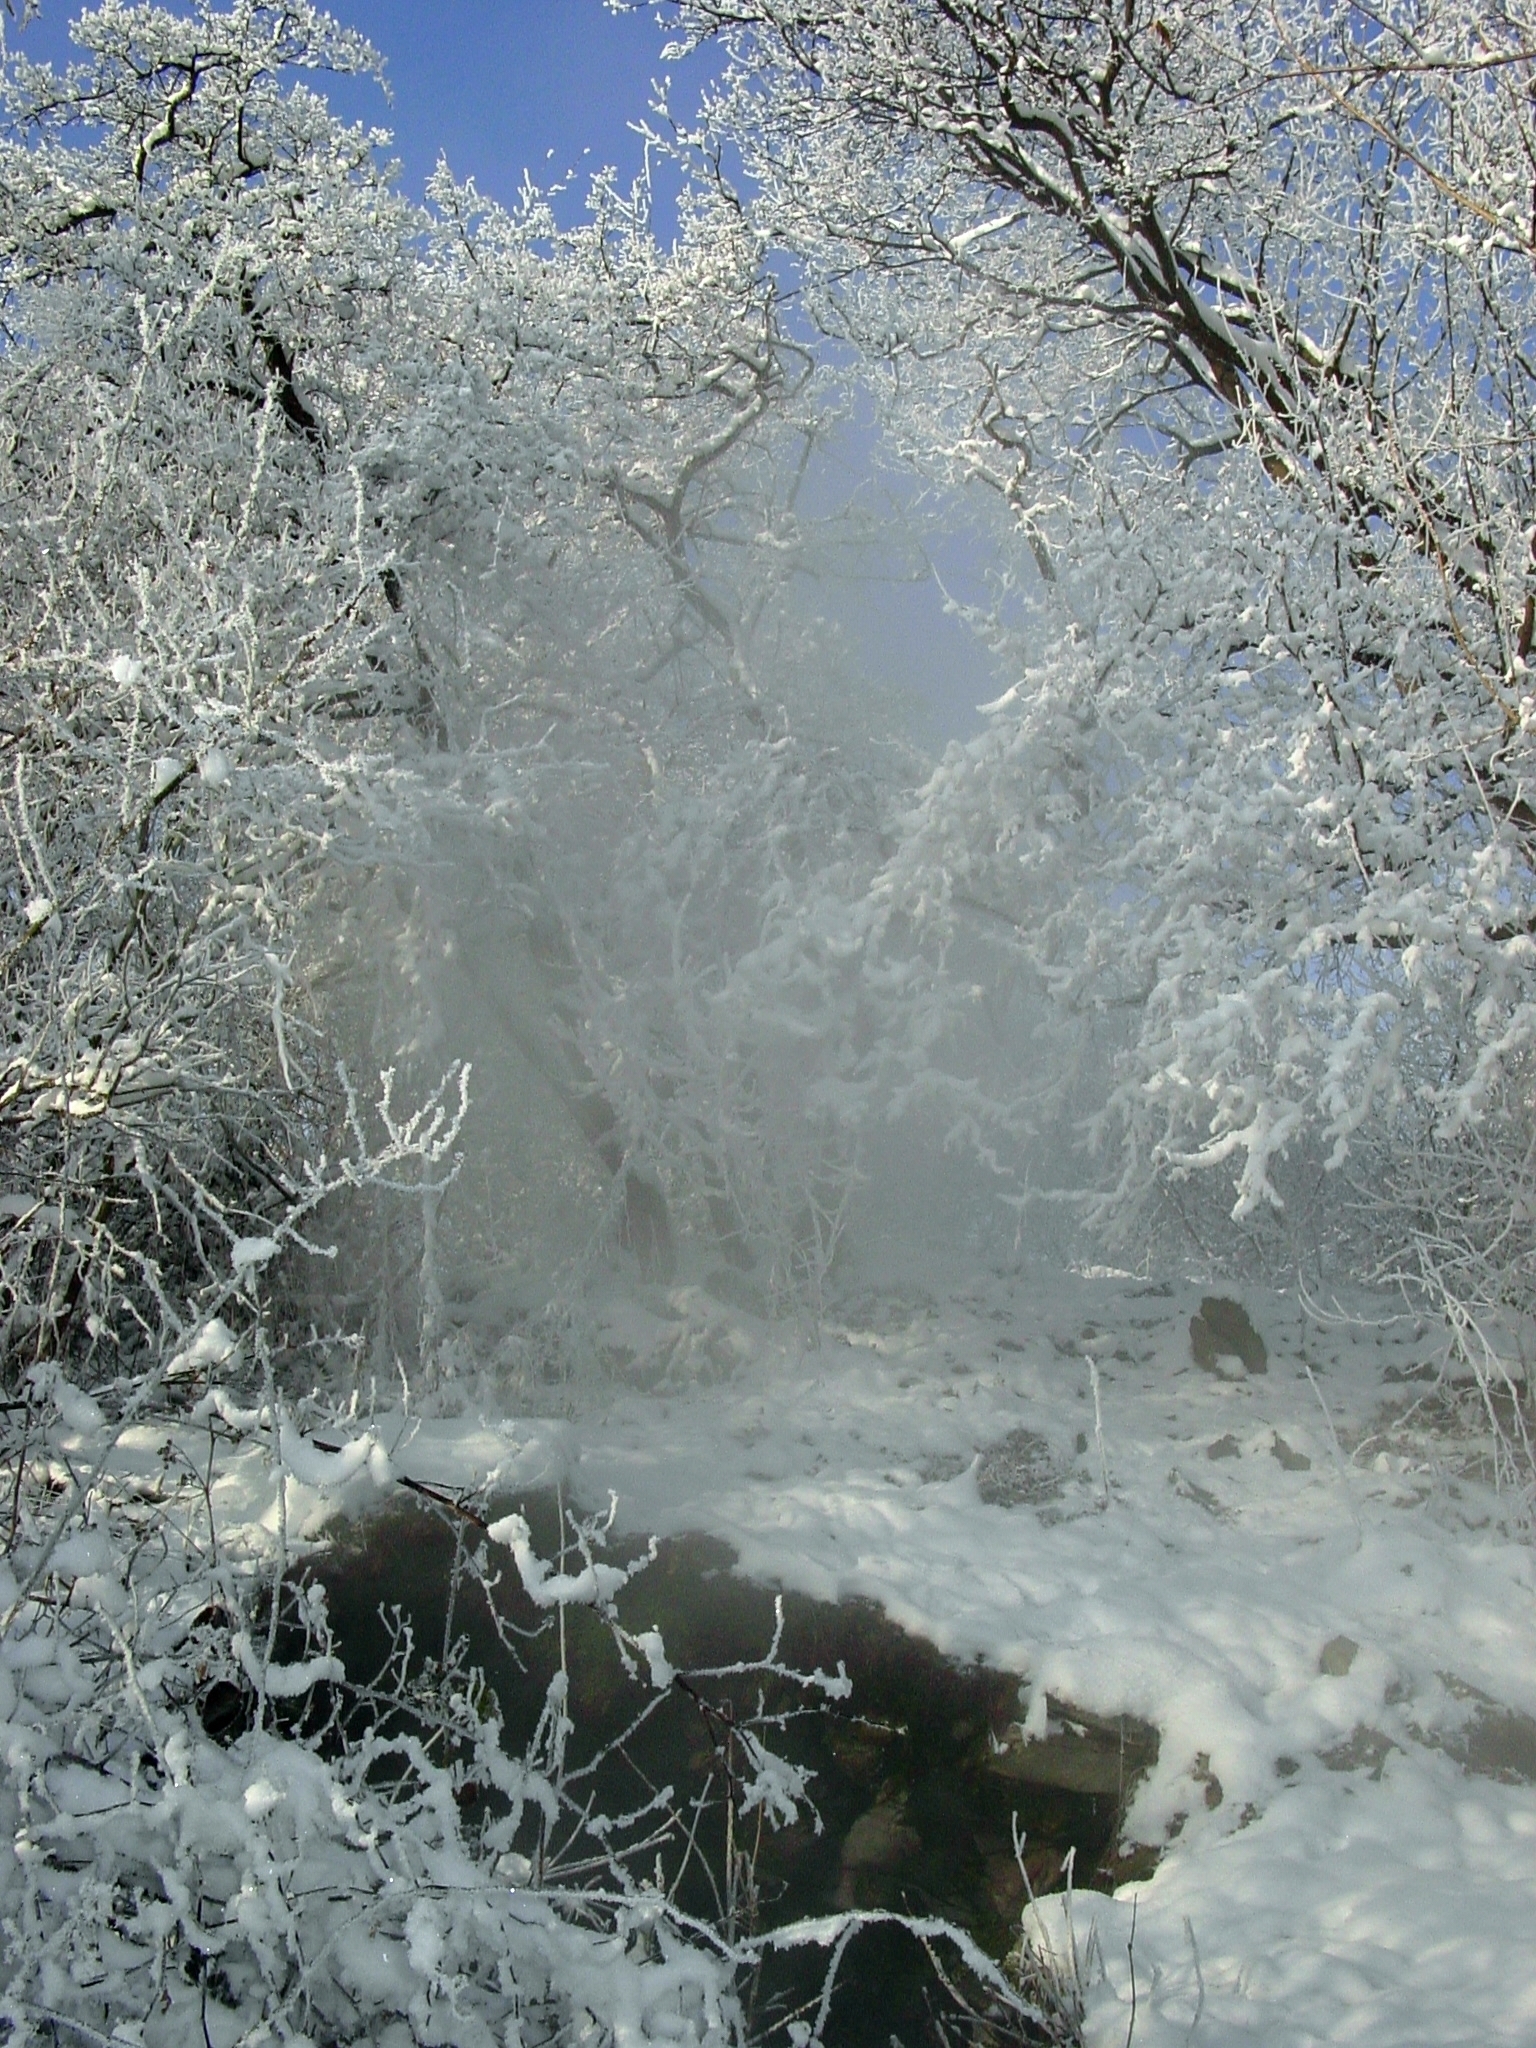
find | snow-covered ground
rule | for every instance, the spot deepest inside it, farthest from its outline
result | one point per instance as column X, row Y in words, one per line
column 1311, row 1593
column 1311, row 1606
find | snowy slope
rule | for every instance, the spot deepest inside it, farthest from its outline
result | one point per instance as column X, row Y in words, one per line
column 1308, row 1591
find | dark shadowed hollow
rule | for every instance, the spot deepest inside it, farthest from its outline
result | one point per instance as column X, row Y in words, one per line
column 919, row 1776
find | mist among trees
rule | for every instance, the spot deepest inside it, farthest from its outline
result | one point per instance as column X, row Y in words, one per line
column 459, row 856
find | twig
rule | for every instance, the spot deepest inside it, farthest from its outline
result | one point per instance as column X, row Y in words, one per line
column 1098, row 1431
column 439, row 1496
column 1194, row 1950
column 1130, row 1951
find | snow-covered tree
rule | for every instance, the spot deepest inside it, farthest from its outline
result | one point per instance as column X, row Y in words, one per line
column 1232, row 305
column 192, row 575
column 377, row 576
column 361, row 560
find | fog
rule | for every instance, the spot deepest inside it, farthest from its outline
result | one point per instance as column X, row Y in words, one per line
column 766, row 1044
column 642, row 919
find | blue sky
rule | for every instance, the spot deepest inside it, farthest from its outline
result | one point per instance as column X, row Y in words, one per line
column 502, row 86
column 507, row 86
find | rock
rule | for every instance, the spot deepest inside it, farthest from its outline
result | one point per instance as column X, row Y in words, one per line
column 1006, row 1892
column 1224, row 1447
column 1363, row 1749
column 1081, row 1753
column 1339, row 1654
column 875, row 1849
column 1207, row 1779
column 1498, row 1743
column 1293, row 1461
column 1009, row 1889
column 1222, row 1330
column 1495, row 1742
column 863, row 1748
column 1189, row 1489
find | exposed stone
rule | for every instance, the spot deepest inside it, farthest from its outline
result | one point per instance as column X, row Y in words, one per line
column 1292, row 1460
column 877, row 1846
column 1204, row 1776
column 1202, row 1496
column 863, row 1748
column 1079, row 1753
column 1005, row 1881
column 1222, row 1330
column 1496, row 1742
column 1224, row 1447
column 1131, row 1863
column 1043, row 1866
column 1363, row 1749
column 1339, row 1654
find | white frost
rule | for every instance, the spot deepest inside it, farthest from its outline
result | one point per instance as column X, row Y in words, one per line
column 261, row 1797
column 212, row 1346
column 650, row 1645
column 594, row 1586
column 248, row 1254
